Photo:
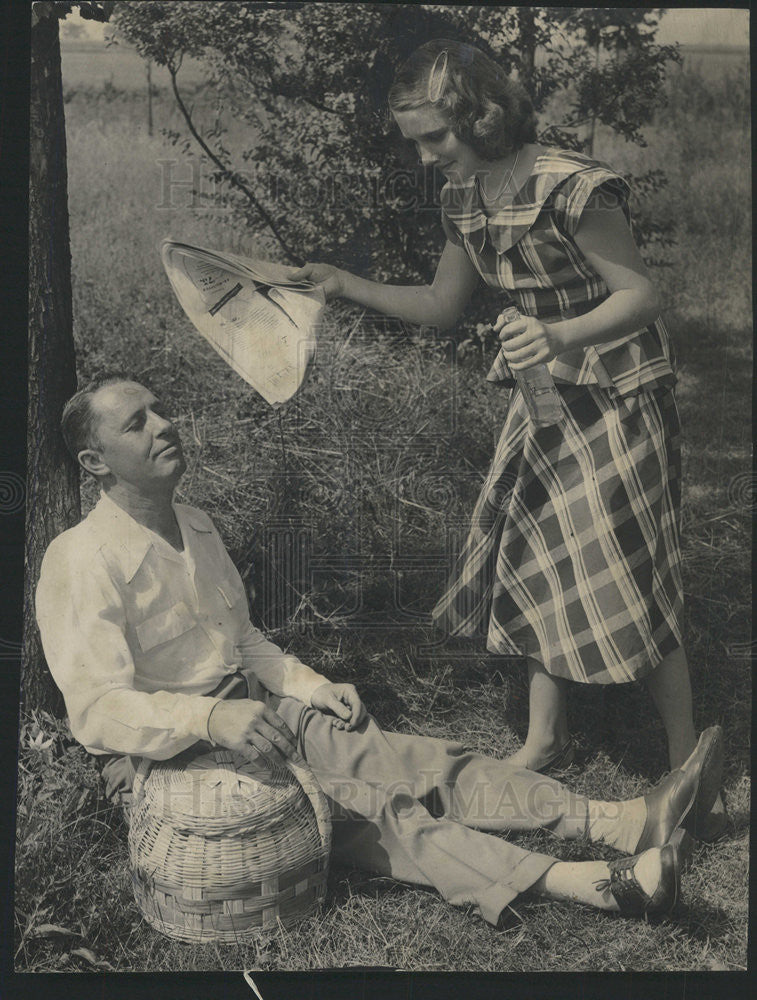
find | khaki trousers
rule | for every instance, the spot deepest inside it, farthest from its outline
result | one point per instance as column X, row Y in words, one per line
column 414, row 808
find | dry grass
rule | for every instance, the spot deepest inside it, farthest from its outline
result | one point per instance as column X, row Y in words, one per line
column 378, row 462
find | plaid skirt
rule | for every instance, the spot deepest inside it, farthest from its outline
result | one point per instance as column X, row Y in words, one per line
column 573, row 556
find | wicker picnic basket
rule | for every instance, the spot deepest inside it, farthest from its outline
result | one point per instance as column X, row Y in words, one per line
column 222, row 850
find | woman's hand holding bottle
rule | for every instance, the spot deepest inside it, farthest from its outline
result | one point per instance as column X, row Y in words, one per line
column 526, row 341
column 529, row 367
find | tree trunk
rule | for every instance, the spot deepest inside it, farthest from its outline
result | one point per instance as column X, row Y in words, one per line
column 593, row 126
column 52, row 477
column 527, row 45
column 149, row 97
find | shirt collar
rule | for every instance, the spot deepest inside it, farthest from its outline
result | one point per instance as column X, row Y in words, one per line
column 504, row 226
column 130, row 541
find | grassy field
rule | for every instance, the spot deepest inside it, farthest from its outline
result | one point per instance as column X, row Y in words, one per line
column 379, row 460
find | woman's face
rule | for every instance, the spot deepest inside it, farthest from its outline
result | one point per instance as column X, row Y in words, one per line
column 437, row 145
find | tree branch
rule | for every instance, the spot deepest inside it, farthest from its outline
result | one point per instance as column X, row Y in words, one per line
column 321, row 107
column 280, row 89
column 576, row 123
column 233, row 178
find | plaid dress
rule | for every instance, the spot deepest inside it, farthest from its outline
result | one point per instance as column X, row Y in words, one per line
column 573, row 556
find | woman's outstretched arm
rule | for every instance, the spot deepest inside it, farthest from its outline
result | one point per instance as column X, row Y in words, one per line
column 439, row 304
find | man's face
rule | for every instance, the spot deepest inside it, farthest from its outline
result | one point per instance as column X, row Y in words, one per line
column 135, row 442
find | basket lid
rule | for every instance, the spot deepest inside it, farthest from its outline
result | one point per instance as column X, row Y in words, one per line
column 222, row 790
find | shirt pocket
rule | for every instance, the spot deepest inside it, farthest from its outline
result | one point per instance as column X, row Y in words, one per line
column 163, row 627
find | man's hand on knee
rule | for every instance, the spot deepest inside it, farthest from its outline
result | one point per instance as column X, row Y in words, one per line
column 252, row 729
column 342, row 701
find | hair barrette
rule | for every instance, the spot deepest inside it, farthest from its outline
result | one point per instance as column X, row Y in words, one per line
column 437, row 77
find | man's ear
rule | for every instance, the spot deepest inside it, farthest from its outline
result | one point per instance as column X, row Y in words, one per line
column 91, row 460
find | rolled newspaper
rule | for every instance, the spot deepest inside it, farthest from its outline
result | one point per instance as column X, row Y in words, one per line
column 260, row 322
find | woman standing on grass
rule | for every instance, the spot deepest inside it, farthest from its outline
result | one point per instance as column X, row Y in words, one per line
column 578, row 564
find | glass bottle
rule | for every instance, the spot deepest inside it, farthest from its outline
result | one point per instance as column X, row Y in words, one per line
column 541, row 397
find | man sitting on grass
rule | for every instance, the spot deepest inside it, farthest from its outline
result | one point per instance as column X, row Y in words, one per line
column 146, row 630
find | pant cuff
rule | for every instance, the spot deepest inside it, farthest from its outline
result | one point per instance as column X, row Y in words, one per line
column 495, row 899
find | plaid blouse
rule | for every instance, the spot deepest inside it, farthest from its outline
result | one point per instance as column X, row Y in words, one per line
column 527, row 248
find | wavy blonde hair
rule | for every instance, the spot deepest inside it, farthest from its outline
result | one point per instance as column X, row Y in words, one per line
column 487, row 110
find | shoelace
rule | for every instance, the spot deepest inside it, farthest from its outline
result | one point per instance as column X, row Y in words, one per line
column 620, row 871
